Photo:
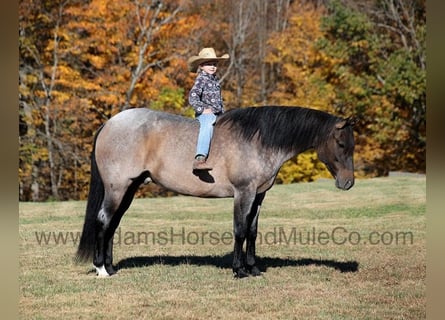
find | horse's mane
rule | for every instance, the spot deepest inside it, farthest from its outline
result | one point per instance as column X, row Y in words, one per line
column 279, row 127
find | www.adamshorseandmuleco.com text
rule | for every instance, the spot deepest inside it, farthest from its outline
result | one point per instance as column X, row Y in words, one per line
column 338, row 235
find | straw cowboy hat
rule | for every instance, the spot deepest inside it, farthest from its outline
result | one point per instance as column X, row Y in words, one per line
column 205, row 55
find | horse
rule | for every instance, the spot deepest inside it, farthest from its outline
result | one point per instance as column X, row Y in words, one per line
column 248, row 148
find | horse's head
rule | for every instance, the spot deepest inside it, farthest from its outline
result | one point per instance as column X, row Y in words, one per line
column 337, row 153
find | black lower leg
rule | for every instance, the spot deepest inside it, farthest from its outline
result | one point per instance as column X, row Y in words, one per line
column 238, row 259
column 108, row 263
column 99, row 255
column 109, row 236
column 242, row 207
column 250, row 257
column 252, row 221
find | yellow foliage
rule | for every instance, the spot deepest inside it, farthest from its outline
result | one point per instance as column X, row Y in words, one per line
column 305, row 167
column 295, row 51
column 97, row 61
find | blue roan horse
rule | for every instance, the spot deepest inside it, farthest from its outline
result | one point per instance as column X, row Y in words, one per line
column 248, row 148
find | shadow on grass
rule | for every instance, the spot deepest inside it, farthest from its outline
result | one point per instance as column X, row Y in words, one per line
column 225, row 262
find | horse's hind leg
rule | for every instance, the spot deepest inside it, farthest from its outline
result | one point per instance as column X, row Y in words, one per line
column 116, row 203
column 103, row 253
column 113, row 208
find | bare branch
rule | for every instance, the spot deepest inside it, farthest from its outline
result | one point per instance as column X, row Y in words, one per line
column 147, row 16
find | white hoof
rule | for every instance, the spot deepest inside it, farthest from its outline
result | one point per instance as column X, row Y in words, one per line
column 101, row 272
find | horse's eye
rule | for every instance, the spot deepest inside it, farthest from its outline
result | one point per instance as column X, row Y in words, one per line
column 341, row 144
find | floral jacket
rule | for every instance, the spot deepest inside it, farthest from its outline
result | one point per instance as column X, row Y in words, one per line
column 206, row 93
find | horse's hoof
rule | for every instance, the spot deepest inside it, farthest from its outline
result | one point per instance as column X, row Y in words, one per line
column 254, row 271
column 103, row 276
column 110, row 270
column 240, row 273
column 101, row 272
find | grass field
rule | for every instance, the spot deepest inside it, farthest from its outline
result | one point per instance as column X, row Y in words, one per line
column 324, row 253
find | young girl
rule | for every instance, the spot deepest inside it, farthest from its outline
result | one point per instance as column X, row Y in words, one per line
column 205, row 98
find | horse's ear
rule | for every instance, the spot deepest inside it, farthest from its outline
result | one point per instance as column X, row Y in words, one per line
column 351, row 121
column 341, row 124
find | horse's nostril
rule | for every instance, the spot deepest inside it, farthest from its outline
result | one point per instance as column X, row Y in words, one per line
column 346, row 185
column 349, row 184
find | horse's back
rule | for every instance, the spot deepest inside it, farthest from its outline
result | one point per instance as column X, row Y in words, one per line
column 134, row 136
column 132, row 119
column 141, row 123
column 161, row 144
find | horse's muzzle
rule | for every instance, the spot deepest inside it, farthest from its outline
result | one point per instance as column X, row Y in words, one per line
column 344, row 184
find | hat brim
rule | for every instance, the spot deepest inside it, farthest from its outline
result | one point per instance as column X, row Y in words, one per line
column 195, row 61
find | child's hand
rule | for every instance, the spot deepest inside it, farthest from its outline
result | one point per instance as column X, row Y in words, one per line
column 207, row 111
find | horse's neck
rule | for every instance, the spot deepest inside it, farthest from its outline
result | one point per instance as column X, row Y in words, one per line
column 313, row 142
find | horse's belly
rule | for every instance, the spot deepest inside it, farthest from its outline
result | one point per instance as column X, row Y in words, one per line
column 200, row 184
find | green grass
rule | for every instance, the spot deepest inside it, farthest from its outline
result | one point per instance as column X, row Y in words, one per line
column 326, row 277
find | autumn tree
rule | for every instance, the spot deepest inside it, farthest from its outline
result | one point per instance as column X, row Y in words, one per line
column 82, row 62
column 295, row 58
column 380, row 77
column 335, row 60
column 40, row 97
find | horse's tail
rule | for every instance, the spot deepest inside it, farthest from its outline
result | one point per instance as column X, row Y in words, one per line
column 87, row 244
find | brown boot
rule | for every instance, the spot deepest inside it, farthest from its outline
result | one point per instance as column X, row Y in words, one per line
column 200, row 163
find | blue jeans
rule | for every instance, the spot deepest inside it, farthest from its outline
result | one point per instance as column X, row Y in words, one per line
column 206, row 122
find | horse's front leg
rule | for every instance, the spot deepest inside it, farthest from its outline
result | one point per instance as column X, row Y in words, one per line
column 242, row 206
column 252, row 222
